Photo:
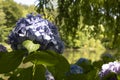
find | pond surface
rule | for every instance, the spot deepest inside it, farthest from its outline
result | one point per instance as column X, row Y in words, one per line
column 73, row 55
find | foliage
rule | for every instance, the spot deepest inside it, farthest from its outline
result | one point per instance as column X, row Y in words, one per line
column 100, row 16
column 30, row 46
column 41, row 60
column 27, row 9
column 44, row 4
column 47, row 8
column 13, row 12
column 10, row 61
column 3, row 29
column 71, row 22
column 2, row 15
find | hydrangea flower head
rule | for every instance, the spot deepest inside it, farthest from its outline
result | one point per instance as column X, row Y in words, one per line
column 85, row 64
column 111, row 67
column 38, row 30
column 75, row 69
column 2, row 48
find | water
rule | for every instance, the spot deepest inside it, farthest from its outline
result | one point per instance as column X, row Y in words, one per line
column 73, row 55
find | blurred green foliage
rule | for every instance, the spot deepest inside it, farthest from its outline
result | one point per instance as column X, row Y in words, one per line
column 13, row 12
column 3, row 29
column 41, row 61
column 98, row 18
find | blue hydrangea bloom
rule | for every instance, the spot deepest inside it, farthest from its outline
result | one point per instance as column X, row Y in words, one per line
column 85, row 64
column 111, row 67
column 38, row 30
column 75, row 69
column 48, row 75
column 2, row 48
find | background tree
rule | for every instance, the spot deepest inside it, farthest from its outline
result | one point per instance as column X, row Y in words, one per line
column 103, row 12
column 102, row 18
column 27, row 9
column 3, row 29
column 2, row 14
column 13, row 12
column 47, row 8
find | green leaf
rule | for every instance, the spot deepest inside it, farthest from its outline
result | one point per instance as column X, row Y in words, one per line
column 1, row 79
column 23, row 74
column 60, row 69
column 56, row 63
column 92, row 75
column 26, row 74
column 98, row 64
column 30, row 46
column 42, row 57
column 10, row 61
column 118, row 76
column 76, row 77
column 39, row 73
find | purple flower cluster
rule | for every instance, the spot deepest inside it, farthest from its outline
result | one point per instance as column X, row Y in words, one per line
column 111, row 67
column 38, row 30
column 2, row 48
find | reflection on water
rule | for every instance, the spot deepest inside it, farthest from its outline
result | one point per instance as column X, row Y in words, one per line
column 73, row 55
